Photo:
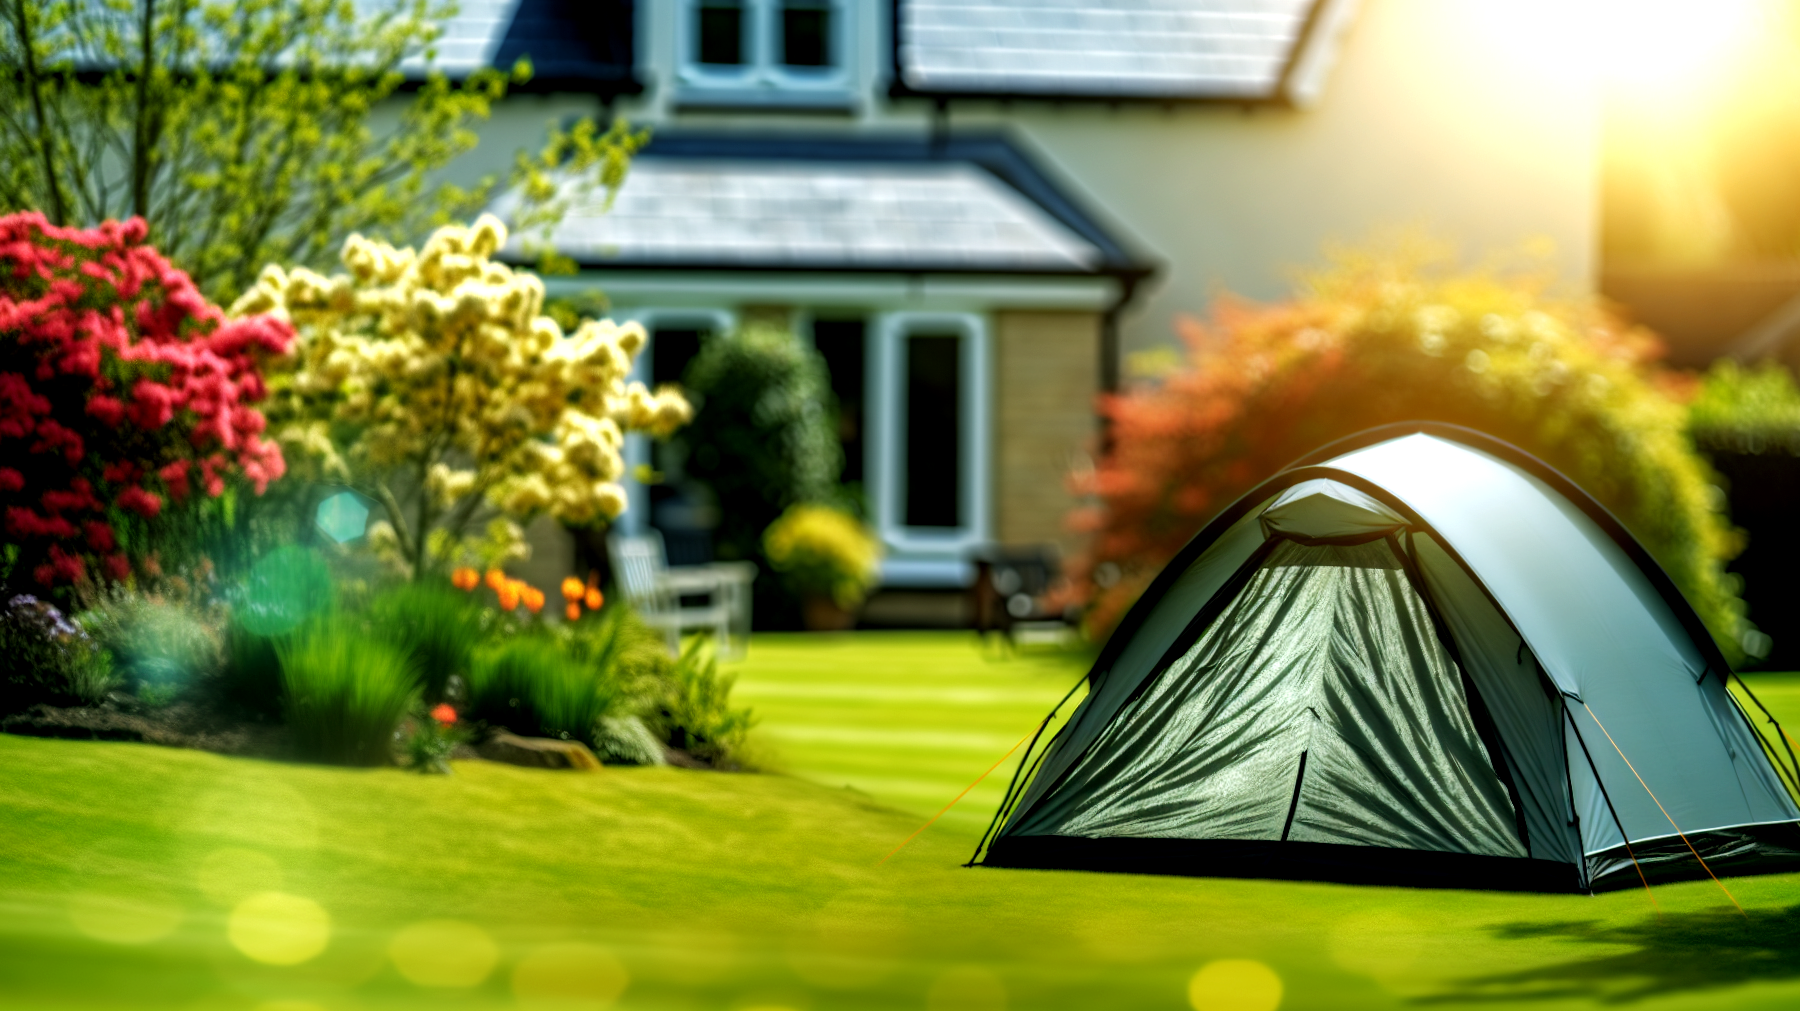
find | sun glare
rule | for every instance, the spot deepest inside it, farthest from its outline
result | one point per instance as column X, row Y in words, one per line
column 1670, row 46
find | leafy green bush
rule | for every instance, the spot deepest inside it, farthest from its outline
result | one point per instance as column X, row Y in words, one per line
column 346, row 691
column 695, row 712
column 1746, row 410
column 45, row 658
column 532, row 685
column 824, row 552
column 762, row 438
column 1383, row 339
column 435, row 624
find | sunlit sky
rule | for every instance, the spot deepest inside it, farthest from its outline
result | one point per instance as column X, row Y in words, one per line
column 1661, row 48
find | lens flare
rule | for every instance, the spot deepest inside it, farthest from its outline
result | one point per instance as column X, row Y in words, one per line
column 229, row 875
column 569, row 977
column 444, row 953
column 1235, row 984
column 276, row 928
column 124, row 919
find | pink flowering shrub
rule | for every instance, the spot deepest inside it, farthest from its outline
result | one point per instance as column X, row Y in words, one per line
column 124, row 394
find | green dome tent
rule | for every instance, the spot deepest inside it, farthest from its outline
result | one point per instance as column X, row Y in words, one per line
column 1419, row 657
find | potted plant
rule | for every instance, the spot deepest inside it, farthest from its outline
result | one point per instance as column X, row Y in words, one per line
column 828, row 559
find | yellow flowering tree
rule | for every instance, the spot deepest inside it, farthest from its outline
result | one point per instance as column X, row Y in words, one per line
column 431, row 382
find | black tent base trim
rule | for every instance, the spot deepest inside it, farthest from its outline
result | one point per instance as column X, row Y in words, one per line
column 1287, row 861
column 1749, row 849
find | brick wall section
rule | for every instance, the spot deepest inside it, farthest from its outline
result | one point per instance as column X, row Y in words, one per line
column 1046, row 369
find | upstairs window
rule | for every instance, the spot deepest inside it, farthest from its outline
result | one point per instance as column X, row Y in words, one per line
column 720, row 33
column 778, row 53
column 806, row 33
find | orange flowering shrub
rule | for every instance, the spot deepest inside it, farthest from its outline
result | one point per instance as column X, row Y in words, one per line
column 1376, row 341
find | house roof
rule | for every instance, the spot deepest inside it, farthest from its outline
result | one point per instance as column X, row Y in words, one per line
column 1233, row 50
column 961, row 204
column 1162, row 50
column 582, row 44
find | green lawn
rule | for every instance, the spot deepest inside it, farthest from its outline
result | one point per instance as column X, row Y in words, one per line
column 140, row 877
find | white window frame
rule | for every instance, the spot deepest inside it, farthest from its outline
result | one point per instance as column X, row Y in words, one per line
column 636, row 518
column 762, row 80
column 936, row 556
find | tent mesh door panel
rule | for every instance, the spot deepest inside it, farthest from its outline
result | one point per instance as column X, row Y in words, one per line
column 1327, row 651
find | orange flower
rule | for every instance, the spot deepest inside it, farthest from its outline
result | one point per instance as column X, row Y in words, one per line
column 533, row 598
column 572, row 588
column 495, row 579
column 465, row 579
column 594, row 598
column 573, row 611
column 508, row 592
column 444, row 713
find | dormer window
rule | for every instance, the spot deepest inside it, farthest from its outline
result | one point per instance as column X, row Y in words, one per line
column 774, row 53
column 720, row 31
column 806, row 33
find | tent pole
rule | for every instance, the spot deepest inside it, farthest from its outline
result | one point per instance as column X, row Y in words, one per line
column 1786, row 741
column 1601, row 785
column 1024, row 760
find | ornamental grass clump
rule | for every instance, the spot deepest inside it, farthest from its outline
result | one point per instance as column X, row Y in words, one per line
column 161, row 648
column 1382, row 339
column 435, row 625
column 824, row 552
column 531, row 685
column 345, row 691
column 431, row 381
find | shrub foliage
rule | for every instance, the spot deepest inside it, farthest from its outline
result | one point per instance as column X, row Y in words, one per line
column 1387, row 339
column 122, row 392
column 430, row 381
column 824, row 552
column 762, row 439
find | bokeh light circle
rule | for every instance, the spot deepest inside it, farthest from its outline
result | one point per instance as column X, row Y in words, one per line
column 1379, row 945
column 444, row 953
column 966, row 988
column 569, row 977
column 123, row 919
column 1235, row 984
column 228, row 875
column 276, row 928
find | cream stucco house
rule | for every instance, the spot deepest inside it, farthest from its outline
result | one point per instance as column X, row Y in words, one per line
column 974, row 208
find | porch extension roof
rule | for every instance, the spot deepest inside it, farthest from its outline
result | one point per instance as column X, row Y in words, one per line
column 964, row 204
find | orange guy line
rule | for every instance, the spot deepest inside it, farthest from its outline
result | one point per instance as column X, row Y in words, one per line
column 1665, row 813
column 965, row 792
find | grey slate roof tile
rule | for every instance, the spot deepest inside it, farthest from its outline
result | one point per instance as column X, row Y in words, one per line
column 691, row 212
column 1188, row 48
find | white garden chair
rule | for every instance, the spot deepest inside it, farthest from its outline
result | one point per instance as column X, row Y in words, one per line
column 656, row 590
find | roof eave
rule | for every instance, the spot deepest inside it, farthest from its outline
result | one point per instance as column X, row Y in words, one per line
column 1135, row 272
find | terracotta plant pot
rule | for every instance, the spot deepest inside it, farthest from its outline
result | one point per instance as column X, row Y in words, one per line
column 822, row 614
